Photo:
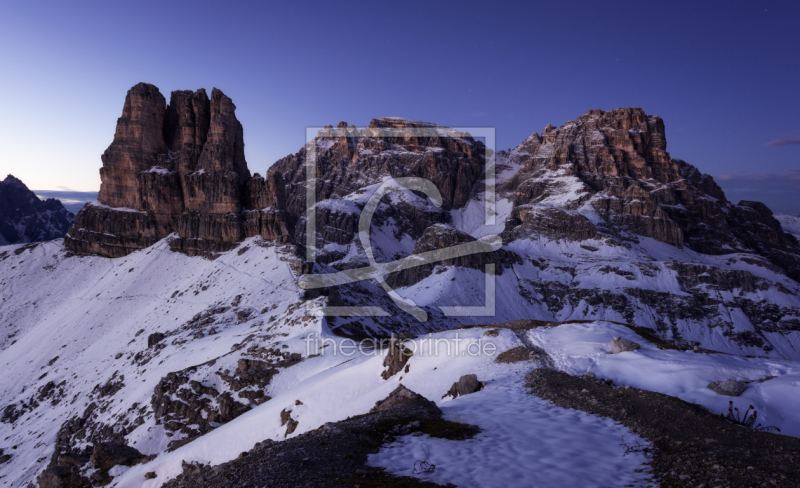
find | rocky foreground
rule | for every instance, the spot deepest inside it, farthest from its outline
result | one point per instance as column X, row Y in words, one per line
column 686, row 444
column 334, row 455
column 690, row 445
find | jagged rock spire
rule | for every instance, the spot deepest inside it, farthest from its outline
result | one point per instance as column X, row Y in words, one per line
column 177, row 168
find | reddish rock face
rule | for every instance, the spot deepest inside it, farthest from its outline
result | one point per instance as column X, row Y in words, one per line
column 615, row 164
column 348, row 160
column 188, row 118
column 624, row 142
column 178, row 168
column 138, row 146
column 224, row 146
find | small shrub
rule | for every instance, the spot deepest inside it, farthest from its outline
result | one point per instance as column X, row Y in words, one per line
column 748, row 420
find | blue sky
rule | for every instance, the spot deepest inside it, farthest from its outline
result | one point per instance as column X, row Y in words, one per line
column 722, row 74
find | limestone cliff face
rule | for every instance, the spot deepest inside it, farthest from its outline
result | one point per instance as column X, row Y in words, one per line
column 348, row 160
column 614, row 166
column 178, row 168
column 138, row 146
column 188, row 118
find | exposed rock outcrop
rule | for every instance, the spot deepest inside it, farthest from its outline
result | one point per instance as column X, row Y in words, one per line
column 408, row 402
column 190, row 407
column 178, row 168
column 728, row 387
column 396, row 358
column 619, row 345
column 26, row 218
column 464, row 386
column 552, row 223
column 436, row 240
column 107, row 455
column 349, row 160
column 614, row 166
column 606, row 178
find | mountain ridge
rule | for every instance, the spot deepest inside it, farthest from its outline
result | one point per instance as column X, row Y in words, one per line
column 175, row 318
column 603, row 183
column 26, row 218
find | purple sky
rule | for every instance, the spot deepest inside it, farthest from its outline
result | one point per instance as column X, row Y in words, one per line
column 723, row 75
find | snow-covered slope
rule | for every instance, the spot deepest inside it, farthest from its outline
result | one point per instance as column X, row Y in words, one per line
column 195, row 359
column 639, row 284
column 80, row 344
column 72, row 325
column 334, row 386
column 79, row 368
column 773, row 385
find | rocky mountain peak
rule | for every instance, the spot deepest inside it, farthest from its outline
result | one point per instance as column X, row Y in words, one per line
column 177, row 168
column 399, row 123
column 624, row 142
column 11, row 183
column 138, row 146
column 612, row 170
column 26, row 218
column 348, row 161
column 224, row 147
column 181, row 168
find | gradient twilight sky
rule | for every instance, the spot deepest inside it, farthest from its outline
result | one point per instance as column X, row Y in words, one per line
column 724, row 75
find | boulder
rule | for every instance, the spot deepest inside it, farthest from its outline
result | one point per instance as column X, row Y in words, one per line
column 100, row 478
column 191, row 469
column 728, row 387
column 619, row 345
column 465, row 385
column 106, row 455
column 229, row 408
column 154, row 339
column 516, row 355
column 56, row 477
column 405, row 402
column 291, row 425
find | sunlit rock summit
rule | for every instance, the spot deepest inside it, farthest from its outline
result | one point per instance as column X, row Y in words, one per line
column 178, row 168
